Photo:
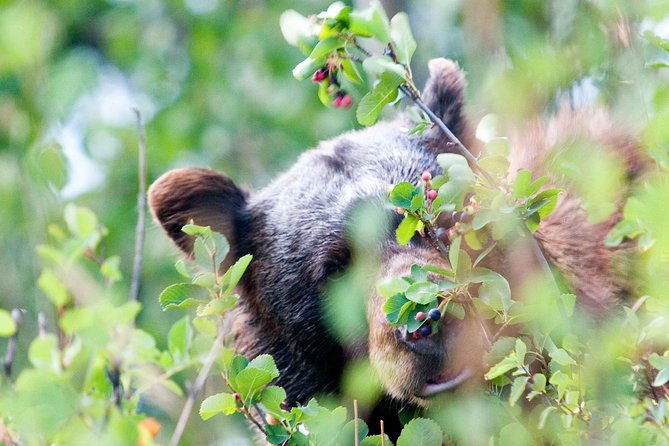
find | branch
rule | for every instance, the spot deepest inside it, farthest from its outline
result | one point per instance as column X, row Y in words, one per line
column 197, row 387
column 141, row 210
column 11, row 344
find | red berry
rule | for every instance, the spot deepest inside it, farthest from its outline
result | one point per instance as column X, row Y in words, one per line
column 427, row 176
column 419, row 316
column 320, row 75
column 431, row 194
column 345, row 101
column 336, row 103
column 237, row 396
column 399, row 211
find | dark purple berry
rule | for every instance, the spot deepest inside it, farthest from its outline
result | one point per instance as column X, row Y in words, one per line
column 425, row 330
column 434, row 314
column 419, row 316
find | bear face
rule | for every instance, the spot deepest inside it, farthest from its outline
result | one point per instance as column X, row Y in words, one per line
column 295, row 228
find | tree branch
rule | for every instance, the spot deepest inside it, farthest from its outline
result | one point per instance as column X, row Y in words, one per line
column 141, row 211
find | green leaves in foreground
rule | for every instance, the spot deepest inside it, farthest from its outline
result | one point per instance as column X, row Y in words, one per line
column 421, row 432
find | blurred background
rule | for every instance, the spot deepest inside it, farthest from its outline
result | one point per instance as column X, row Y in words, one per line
column 212, row 80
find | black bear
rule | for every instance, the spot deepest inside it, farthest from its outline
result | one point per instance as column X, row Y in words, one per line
column 295, row 229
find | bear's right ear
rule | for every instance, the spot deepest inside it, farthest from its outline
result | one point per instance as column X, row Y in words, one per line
column 204, row 196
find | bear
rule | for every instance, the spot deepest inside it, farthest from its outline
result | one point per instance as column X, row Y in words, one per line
column 295, row 228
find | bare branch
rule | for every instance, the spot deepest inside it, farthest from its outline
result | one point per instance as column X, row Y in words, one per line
column 141, row 211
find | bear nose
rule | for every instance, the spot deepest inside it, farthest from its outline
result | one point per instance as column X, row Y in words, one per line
column 431, row 346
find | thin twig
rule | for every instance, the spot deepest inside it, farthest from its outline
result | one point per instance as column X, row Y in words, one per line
column 41, row 323
column 197, row 387
column 413, row 95
column 355, row 422
column 11, row 344
column 141, row 210
column 383, row 434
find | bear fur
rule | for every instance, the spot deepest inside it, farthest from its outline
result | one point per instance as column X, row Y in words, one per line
column 295, row 228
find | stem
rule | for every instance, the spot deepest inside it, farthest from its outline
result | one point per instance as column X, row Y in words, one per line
column 355, row 422
column 11, row 344
column 197, row 387
column 413, row 95
column 141, row 210
column 432, row 236
column 383, row 434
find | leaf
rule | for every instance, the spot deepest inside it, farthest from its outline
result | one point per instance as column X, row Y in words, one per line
column 659, row 362
column 421, row 432
column 272, row 398
column 276, row 434
column 521, row 350
column 454, row 253
column 324, row 94
column 325, row 47
column 250, row 380
column 306, row 68
column 372, row 21
column 661, row 378
column 422, row 292
column 521, row 183
column 517, row 389
column 234, row 274
column 505, row 365
column 391, row 286
column 220, row 403
column 81, row 221
column 407, row 228
column 181, row 295
column 549, row 194
column 538, row 382
column 179, row 339
column 54, row 288
column 375, row 440
column 350, row 71
column 403, row 41
column 562, row 357
column 347, row 433
column 418, row 274
column 373, row 102
column 43, row 353
column 266, row 363
column 196, row 230
column 544, row 416
column 402, row 194
column 7, row 324
column 393, row 306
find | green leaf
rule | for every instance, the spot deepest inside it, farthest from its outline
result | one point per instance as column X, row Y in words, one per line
column 350, row 71
column 393, row 307
column 276, row 434
column 378, row 65
column 521, row 351
column 306, row 68
column 422, row 292
column 538, row 382
column 81, row 221
column 272, row 398
column 44, row 353
column 234, row 274
column 111, row 269
column 179, row 339
column 375, row 440
column 661, row 378
column 220, row 403
column 562, row 357
column 196, row 230
column 544, row 416
column 217, row 306
column 421, row 432
column 418, row 274
column 402, row 194
column 517, row 389
column 373, row 102
column 391, row 286
column 659, row 362
column 505, row 365
column 323, row 93
column 54, row 288
column 298, row 30
column 521, row 183
column 347, row 433
column 403, row 41
column 266, row 363
column 181, row 295
column 549, row 194
column 407, row 228
column 7, row 324
column 454, row 253
column 325, row 47
column 250, row 381
column 372, row 21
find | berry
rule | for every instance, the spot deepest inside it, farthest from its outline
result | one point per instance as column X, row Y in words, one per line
column 442, row 234
column 320, row 75
column 399, row 211
column 419, row 316
column 237, row 396
column 434, row 314
column 425, row 330
column 336, row 103
column 431, row 194
column 345, row 101
column 427, row 176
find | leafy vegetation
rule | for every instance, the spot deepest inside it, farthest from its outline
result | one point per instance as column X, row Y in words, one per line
column 96, row 368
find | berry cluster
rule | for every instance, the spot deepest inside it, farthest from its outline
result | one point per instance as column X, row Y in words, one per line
column 431, row 194
column 329, row 74
column 455, row 223
column 425, row 329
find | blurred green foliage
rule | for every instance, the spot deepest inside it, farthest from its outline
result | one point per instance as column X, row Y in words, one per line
column 213, row 81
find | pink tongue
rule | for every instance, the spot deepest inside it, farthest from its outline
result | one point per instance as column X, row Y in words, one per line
column 431, row 389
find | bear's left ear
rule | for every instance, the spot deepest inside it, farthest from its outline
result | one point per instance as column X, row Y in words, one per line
column 444, row 94
column 206, row 197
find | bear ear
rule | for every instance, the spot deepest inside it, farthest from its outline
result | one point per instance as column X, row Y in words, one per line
column 444, row 94
column 205, row 197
